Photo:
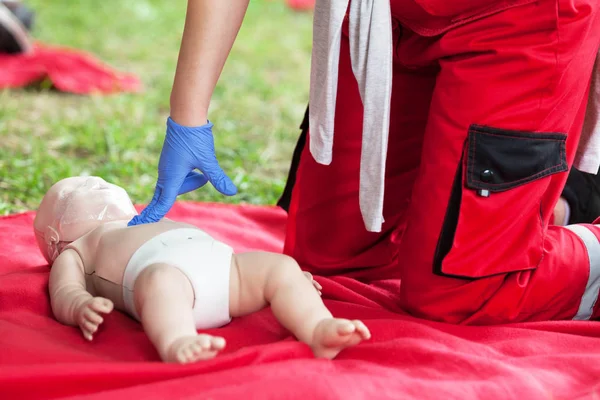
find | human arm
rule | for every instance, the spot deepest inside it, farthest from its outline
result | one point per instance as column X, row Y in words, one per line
column 71, row 303
column 210, row 29
column 561, row 212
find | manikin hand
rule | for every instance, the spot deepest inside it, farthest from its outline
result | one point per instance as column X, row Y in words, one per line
column 316, row 284
column 89, row 315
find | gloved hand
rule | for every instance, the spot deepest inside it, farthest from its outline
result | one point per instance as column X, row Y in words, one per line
column 184, row 149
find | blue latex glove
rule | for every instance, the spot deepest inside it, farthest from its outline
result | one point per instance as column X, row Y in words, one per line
column 184, row 149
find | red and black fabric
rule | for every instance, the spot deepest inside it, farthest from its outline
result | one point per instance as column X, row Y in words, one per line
column 487, row 107
column 582, row 192
column 407, row 358
column 286, row 195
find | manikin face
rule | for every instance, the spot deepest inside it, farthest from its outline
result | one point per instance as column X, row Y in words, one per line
column 75, row 206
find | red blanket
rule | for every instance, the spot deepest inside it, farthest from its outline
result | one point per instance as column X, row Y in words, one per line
column 407, row 358
column 68, row 70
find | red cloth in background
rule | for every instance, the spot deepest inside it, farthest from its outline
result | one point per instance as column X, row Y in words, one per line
column 69, row 70
column 301, row 5
column 407, row 358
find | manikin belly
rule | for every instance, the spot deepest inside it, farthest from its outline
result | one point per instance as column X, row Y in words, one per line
column 109, row 290
column 113, row 253
column 112, row 271
column 109, row 269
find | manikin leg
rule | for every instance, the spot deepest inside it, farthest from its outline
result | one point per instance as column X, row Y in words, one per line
column 164, row 299
column 259, row 279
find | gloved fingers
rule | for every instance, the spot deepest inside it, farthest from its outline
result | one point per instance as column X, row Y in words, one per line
column 152, row 204
column 137, row 220
column 157, row 209
column 224, row 184
column 165, row 201
column 194, row 180
column 141, row 218
column 219, row 179
column 167, row 191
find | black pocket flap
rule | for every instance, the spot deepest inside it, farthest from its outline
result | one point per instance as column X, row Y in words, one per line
column 501, row 159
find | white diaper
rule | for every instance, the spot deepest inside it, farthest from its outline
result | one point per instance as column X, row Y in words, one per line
column 205, row 261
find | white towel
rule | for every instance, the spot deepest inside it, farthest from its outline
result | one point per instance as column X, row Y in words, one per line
column 587, row 158
column 370, row 29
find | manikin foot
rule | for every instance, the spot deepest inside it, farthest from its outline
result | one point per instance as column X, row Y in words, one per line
column 332, row 335
column 190, row 349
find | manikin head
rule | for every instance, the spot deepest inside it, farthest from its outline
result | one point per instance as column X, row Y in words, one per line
column 75, row 206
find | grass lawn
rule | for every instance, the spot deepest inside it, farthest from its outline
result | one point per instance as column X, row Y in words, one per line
column 257, row 107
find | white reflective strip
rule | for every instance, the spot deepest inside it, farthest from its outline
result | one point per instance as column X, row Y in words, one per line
column 590, row 296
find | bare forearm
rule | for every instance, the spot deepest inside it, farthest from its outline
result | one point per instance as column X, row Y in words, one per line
column 211, row 27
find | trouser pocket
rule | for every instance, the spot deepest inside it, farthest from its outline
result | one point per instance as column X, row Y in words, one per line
column 493, row 221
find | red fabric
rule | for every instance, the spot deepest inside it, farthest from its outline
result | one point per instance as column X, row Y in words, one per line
column 68, row 70
column 301, row 5
column 524, row 69
column 407, row 358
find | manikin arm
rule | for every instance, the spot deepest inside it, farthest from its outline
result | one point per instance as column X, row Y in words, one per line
column 67, row 287
column 71, row 303
column 211, row 27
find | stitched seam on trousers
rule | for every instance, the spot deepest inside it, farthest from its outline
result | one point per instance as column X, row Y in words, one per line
column 422, row 30
column 553, row 81
column 471, row 166
column 554, row 137
column 543, row 232
column 542, row 174
column 474, row 277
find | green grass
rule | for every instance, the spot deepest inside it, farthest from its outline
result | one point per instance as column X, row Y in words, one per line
column 257, row 107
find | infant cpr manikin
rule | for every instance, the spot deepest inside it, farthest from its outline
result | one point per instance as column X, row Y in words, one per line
column 172, row 277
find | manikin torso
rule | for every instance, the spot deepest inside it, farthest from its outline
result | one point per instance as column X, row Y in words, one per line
column 91, row 215
column 106, row 250
column 88, row 216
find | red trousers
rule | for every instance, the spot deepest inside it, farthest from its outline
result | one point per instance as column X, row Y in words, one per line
column 487, row 108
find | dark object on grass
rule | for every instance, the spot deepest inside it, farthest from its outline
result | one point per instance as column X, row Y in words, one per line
column 21, row 11
column 15, row 21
